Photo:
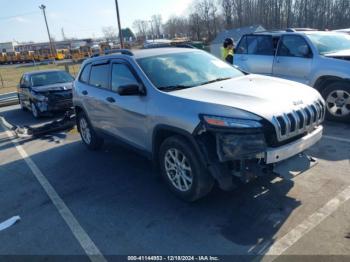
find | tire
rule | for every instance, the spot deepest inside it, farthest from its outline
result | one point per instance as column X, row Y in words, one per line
column 337, row 97
column 35, row 111
column 23, row 108
column 182, row 170
column 88, row 134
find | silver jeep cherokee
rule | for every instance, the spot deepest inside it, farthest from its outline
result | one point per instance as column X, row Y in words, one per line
column 315, row 58
column 199, row 119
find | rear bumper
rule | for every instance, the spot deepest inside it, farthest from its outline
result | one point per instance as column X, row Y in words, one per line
column 275, row 155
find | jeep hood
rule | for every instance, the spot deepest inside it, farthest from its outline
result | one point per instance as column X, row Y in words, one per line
column 261, row 95
column 54, row 87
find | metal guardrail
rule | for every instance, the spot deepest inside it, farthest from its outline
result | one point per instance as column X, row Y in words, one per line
column 8, row 99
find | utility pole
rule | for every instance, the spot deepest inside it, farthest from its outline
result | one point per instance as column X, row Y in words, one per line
column 119, row 26
column 43, row 8
column 151, row 22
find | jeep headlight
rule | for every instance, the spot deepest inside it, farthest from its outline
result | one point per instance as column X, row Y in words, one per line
column 228, row 122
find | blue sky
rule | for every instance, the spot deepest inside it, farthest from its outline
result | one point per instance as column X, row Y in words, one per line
column 22, row 20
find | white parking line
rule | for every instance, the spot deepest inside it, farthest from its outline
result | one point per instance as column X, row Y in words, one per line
column 288, row 240
column 83, row 238
column 339, row 139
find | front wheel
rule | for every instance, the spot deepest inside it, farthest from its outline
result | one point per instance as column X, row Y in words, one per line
column 337, row 97
column 88, row 134
column 35, row 111
column 182, row 171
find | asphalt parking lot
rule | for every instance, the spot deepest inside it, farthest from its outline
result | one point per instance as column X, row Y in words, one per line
column 76, row 202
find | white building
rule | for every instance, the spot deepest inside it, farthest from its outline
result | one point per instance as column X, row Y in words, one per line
column 8, row 46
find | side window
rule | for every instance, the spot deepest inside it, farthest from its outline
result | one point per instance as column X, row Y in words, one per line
column 294, row 46
column 99, row 76
column 85, row 74
column 27, row 81
column 121, row 75
column 242, row 47
column 260, row 45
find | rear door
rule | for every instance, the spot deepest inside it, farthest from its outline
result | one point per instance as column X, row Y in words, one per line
column 255, row 54
column 294, row 59
column 96, row 92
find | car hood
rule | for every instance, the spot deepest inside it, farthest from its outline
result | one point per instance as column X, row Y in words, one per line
column 261, row 95
column 344, row 54
column 54, row 87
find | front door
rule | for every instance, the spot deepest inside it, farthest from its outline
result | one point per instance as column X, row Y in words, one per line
column 294, row 59
column 128, row 112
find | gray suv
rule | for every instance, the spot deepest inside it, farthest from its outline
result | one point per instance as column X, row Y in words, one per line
column 199, row 119
column 315, row 58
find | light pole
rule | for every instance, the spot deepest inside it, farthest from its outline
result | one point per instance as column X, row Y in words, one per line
column 43, row 8
column 119, row 26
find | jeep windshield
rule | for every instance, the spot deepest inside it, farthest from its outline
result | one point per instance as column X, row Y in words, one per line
column 330, row 43
column 177, row 71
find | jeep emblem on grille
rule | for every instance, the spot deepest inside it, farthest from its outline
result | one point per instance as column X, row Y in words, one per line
column 298, row 103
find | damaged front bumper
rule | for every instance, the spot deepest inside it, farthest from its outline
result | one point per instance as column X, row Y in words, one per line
column 246, row 155
column 53, row 102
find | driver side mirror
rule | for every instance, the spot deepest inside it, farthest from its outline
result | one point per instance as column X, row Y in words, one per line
column 131, row 90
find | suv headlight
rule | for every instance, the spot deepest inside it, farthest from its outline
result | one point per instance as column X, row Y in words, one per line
column 228, row 122
column 40, row 97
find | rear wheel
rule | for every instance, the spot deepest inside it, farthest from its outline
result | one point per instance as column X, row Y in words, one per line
column 337, row 97
column 88, row 134
column 182, row 170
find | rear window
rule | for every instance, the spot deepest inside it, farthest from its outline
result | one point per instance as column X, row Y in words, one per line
column 85, row 74
column 256, row 45
column 99, row 76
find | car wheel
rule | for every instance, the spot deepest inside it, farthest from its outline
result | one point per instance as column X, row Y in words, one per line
column 182, row 170
column 337, row 97
column 88, row 134
column 23, row 107
column 35, row 111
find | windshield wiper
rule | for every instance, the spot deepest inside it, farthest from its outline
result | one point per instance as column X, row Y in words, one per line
column 173, row 87
column 215, row 80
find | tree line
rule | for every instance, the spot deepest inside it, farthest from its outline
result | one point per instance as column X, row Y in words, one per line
column 207, row 18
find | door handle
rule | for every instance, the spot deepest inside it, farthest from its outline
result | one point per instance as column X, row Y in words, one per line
column 110, row 99
column 85, row 93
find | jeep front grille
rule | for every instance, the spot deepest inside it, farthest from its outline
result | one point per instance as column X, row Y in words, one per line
column 299, row 121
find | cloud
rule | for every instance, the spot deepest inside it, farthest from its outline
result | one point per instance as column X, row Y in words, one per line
column 21, row 19
column 106, row 12
column 54, row 15
column 177, row 8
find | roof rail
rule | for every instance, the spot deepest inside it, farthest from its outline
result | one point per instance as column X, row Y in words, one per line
column 300, row 29
column 115, row 51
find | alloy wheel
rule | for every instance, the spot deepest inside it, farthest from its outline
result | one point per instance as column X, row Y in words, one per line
column 338, row 103
column 85, row 131
column 178, row 169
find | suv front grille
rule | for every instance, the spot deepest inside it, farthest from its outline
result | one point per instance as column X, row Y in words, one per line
column 299, row 121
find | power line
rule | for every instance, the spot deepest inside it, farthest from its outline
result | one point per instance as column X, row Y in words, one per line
column 23, row 14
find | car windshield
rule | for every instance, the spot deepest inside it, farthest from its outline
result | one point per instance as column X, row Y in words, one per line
column 50, row 78
column 330, row 43
column 184, row 70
